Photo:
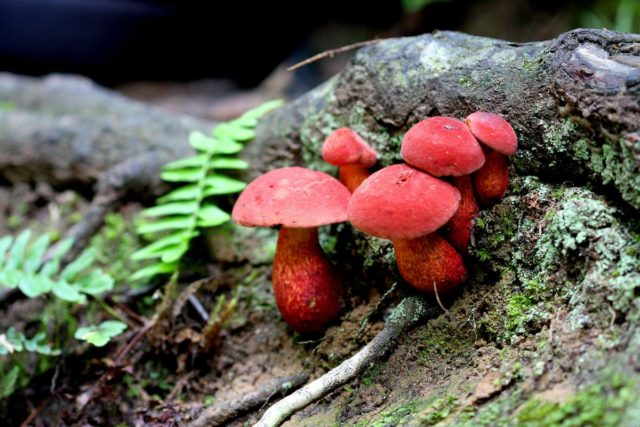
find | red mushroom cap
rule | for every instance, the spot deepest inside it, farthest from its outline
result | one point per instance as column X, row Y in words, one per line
column 292, row 197
column 400, row 202
column 493, row 131
column 344, row 146
column 442, row 146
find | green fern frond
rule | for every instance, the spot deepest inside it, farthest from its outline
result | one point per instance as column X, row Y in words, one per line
column 13, row 341
column 100, row 335
column 22, row 266
column 182, row 213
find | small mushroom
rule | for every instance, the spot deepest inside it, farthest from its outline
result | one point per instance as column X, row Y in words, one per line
column 407, row 206
column 442, row 146
column 347, row 150
column 500, row 140
column 307, row 287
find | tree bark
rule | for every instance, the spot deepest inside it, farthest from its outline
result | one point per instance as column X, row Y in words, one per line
column 67, row 130
column 582, row 86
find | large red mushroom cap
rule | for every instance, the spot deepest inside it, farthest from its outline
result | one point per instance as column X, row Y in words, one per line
column 493, row 131
column 400, row 202
column 442, row 146
column 344, row 147
column 292, row 197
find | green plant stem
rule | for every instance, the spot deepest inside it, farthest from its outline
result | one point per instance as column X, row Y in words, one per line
column 167, row 297
column 14, row 357
column 204, row 171
column 112, row 312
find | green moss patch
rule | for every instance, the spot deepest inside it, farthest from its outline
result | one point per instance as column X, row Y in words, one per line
column 599, row 405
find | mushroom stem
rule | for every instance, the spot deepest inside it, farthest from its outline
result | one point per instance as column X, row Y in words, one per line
column 460, row 227
column 492, row 179
column 352, row 175
column 429, row 261
column 307, row 287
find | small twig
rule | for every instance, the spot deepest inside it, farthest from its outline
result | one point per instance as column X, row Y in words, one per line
column 305, row 342
column 52, row 388
column 365, row 321
column 446, row 312
column 87, row 396
column 179, row 385
column 221, row 413
column 473, row 321
column 168, row 297
column 135, row 293
column 198, row 307
column 187, row 295
column 217, row 319
column 128, row 311
column 137, row 337
column 112, row 312
column 409, row 312
column 329, row 53
column 35, row 412
column 183, row 297
column 268, row 399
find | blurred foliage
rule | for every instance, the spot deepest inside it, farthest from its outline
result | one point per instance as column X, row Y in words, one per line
column 412, row 6
column 623, row 15
column 25, row 266
column 7, row 106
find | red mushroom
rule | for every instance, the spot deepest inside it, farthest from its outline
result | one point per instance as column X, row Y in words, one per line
column 460, row 227
column 442, row 146
column 307, row 287
column 405, row 205
column 492, row 180
column 344, row 148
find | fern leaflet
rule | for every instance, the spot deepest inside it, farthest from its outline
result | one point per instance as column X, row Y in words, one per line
column 16, row 342
column 183, row 212
column 99, row 335
column 23, row 266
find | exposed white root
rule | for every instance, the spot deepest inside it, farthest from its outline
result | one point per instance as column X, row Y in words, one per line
column 219, row 414
column 410, row 311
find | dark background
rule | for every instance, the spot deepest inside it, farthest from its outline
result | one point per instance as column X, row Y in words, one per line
column 119, row 41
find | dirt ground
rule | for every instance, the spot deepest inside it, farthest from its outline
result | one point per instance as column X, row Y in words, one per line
column 482, row 362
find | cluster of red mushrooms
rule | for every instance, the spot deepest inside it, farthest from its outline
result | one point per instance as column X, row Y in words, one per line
column 428, row 219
